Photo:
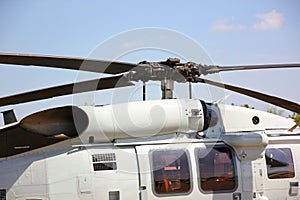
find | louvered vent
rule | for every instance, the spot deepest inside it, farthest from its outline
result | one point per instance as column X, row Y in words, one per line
column 105, row 161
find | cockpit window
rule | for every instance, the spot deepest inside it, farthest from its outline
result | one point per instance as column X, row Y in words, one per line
column 279, row 163
column 171, row 172
column 217, row 170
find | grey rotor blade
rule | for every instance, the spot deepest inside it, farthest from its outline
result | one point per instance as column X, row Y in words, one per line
column 292, row 106
column 85, row 64
column 216, row 69
column 72, row 88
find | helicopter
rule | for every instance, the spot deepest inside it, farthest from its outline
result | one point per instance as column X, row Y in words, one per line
column 151, row 149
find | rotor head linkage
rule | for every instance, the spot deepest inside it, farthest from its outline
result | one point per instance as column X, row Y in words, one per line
column 171, row 69
column 167, row 72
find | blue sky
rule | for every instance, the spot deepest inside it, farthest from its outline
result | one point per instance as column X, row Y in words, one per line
column 232, row 32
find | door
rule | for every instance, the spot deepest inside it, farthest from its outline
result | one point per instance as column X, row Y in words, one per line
column 217, row 171
column 165, row 171
column 281, row 181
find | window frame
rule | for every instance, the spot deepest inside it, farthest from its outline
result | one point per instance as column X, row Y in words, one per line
column 292, row 159
column 236, row 177
column 188, row 159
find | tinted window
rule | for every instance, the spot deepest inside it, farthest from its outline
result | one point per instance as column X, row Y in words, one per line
column 2, row 194
column 217, row 171
column 171, row 172
column 279, row 163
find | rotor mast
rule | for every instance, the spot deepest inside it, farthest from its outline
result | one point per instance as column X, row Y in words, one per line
column 167, row 83
column 167, row 87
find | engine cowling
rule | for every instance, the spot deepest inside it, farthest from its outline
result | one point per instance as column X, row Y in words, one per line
column 145, row 119
column 120, row 121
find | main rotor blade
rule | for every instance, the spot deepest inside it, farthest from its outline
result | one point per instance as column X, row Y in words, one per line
column 292, row 106
column 216, row 69
column 73, row 88
column 92, row 65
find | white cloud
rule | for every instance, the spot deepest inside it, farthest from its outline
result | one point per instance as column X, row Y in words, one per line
column 227, row 25
column 269, row 21
column 132, row 44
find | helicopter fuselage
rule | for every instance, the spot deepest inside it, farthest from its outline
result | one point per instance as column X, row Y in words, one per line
column 247, row 156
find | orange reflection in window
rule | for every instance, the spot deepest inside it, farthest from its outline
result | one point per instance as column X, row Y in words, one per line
column 171, row 172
